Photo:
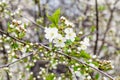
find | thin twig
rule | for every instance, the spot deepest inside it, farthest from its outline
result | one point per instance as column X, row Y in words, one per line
column 40, row 26
column 7, row 34
column 7, row 65
column 86, row 35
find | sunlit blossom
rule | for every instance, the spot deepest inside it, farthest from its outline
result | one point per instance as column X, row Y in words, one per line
column 68, row 23
column 59, row 41
column 79, row 48
column 70, row 34
column 51, row 33
column 62, row 18
column 11, row 26
column 83, row 47
column 85, row 42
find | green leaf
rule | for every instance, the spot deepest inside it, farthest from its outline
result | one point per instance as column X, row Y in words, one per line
column 21, row 35
column 50, row 77
column 52, row 25
column 84, row 54
column 92, row 29
column 50, row 18
column 69, row 42
column 101, row 8
column 9, row 29
column 8, row 24
column 95, row 63
column 25, row 25
column 54, row 18
column 25, row 60
column 14, row 45
column 97, row 76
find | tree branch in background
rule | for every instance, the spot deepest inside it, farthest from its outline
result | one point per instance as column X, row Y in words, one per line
column 97, row 28
column 40, row 26
column 44, row 14
column 110, row 44
column 108, row 26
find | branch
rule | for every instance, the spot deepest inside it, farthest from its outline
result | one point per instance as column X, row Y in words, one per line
column 97, row 27
column 7, row 65
column 40, row 26
column 59, row 52
column 86, row 35
column 74, row 58
column 7, row 34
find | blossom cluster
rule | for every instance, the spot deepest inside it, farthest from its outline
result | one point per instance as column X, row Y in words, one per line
column 18, row 25
column 67, row 22
column 58, row 39
column 53, row 35
column 84, row 44
column 17, row 28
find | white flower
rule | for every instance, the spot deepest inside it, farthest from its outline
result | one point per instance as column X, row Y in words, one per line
column 85, row 42
column 19, row 22
column 12, row 26
column 94, row 56
column 68, row 23
column 80, row 32
column 70, row 34
column 59, row 41
column 112, row 66
column 22, row 26
column 89, row 77
column 79, row 48
column 14, row 20
column 62, row 18
column 17, row 28
column 51, row 33
column 59, row 78
column 68, row 30
column 38, row 76
column 69, row 50
column 104, row 78
column 83, row 47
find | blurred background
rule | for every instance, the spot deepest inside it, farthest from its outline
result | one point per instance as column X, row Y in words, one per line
column 82, row 13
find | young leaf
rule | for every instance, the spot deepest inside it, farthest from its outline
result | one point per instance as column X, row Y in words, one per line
column 14, row 45
column 84, row 54
column 54, row 18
